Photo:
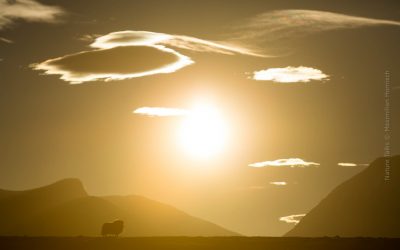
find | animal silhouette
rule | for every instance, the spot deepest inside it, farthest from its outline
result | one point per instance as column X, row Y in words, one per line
column 112, row 228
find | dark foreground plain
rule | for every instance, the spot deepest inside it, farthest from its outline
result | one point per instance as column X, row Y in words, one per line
column 194, row 243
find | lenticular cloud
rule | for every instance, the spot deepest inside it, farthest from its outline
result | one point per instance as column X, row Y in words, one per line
column 116, row 63
column 131, row 54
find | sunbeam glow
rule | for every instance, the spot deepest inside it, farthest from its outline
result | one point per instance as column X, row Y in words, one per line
column 204, row 132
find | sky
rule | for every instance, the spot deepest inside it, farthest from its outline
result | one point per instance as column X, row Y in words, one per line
column 244, row 113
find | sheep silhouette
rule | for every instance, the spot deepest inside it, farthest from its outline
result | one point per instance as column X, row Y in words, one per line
column 112, row 228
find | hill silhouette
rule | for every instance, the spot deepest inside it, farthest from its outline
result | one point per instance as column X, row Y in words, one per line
column 65, row 209
column 366, row 205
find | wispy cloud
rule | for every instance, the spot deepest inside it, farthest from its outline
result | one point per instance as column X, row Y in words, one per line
column 280, row 24
column 147, row 38
column 161, row 111
column 291, row 162
column 294, row 218
column 27, row 10
column 349, row 164
column 289, row 74
column 278, row 183
column 5, row 40
column 146, row 53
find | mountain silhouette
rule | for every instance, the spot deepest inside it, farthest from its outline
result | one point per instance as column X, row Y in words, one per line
column 65, row 209
column 366, row 205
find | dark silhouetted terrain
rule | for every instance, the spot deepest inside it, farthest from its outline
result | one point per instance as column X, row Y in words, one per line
column 196, row 243
column 366, row 205
column 65, row 209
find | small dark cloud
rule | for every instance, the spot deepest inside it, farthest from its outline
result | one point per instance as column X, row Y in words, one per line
column 120, row 60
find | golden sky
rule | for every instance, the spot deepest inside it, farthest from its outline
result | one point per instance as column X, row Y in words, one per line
column 244, row 113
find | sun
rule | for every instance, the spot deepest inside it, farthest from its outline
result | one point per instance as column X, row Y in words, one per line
column 204, row 132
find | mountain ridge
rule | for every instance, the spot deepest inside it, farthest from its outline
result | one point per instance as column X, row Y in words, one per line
column 365, row 205
column 64, row 208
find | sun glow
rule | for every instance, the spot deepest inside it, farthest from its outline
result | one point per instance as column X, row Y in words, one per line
column 203, row 133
